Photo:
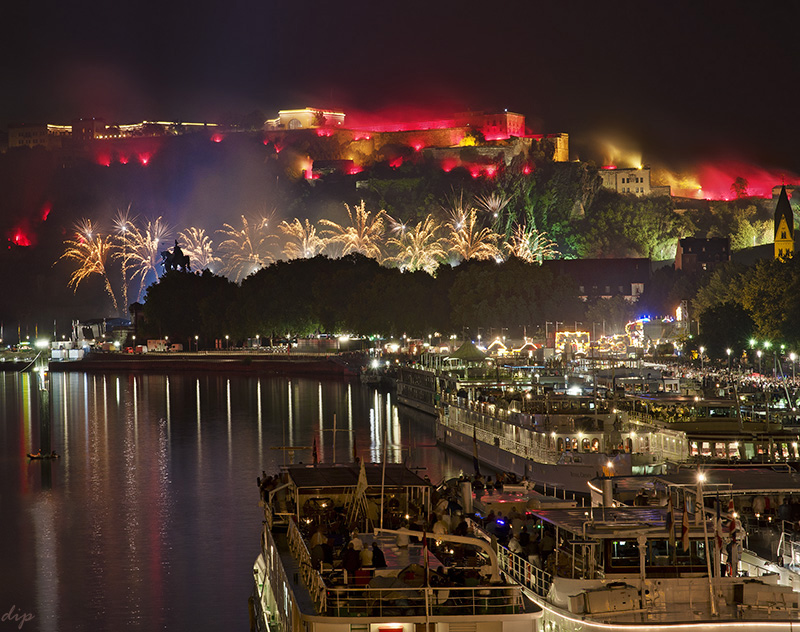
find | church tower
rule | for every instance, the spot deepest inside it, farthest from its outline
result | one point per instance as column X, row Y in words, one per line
column 784, row 227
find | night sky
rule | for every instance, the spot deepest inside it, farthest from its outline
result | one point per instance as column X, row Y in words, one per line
column 682, row 81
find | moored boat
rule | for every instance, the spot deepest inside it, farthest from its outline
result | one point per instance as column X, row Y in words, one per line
column 307, row 576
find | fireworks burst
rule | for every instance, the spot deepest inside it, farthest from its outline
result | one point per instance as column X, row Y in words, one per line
column 301, row 240
column 531, row 245
column 199, row 247
column 122, row 223
column 468, row 239
column 92, row 252
column 493, row 204
column 420, row 248
column 143, row 246
column 364, row 234
column 246, row 251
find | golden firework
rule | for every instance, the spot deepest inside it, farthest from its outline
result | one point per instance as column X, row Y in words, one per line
column 531, row 245
column 419, row 248
column 199, row 247
column 144, row 248
column 92, row 252
column 246, row 250
column 364, row 234
column 302, row 241
column 467, row 239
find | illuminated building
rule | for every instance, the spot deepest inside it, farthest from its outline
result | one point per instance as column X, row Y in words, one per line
column 697, row 254
column 634, row 180
column 784, row 227
column 307, row 118
column 44, row 135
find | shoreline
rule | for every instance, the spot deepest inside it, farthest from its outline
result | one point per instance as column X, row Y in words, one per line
column 283, row 364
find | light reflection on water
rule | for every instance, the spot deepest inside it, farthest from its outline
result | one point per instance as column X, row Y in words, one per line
column 150, row 520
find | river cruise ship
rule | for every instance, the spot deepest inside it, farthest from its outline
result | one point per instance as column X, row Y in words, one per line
column 340, row 553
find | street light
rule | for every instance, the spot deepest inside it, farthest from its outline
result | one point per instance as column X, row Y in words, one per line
column 196, row 344
column 728, row 351
column 758, row 353
column 227, row 343
column 702, row 351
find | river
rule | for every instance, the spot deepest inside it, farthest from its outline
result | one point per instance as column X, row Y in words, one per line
column 150, row 518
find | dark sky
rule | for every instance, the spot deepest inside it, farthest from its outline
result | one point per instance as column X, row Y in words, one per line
column 684, row 81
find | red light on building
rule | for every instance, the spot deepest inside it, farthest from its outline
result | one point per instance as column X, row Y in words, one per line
column 609, row 166
column 491, row 171
column 354, row 170
column 526, row 169
column 475, row 173
column 216, row 138
column 144, row 158
column 417, row 146
column 104, row 160
column 448, row 164
column 123, row 160
column 321, row 131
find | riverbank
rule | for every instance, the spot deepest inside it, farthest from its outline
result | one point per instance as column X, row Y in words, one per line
column 212, row 362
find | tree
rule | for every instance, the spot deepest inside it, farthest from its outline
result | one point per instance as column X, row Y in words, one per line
column 739, row 187
column 725, row 326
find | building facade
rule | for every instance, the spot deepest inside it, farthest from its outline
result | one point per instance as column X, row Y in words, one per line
column 699, row 254
column 635, row 180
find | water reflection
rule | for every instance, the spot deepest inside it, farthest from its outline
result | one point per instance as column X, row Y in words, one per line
column 152, row 521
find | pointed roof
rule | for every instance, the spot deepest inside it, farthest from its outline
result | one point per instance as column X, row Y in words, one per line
column 783, row 210
column 468, row 352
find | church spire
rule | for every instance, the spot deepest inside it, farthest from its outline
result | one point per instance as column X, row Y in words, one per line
column 784, row 226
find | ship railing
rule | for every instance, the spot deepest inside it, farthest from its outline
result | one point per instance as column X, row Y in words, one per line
column 523, row 571
column 310, row 576
column 276, row 576
column 356, row 601
column 528, row 450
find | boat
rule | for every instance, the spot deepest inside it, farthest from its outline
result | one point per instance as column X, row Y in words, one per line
column 39, row 455
column 300, row 587
column 616, row 567
column 556, row 441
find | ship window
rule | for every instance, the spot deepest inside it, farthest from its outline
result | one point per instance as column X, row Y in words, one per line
column 624, row 553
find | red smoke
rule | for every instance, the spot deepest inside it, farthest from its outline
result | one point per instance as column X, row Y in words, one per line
column 716, row 180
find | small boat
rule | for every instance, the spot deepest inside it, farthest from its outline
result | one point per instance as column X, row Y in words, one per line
column 39, row 455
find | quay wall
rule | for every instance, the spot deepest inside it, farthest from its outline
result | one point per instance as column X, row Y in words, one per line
column 245, row 364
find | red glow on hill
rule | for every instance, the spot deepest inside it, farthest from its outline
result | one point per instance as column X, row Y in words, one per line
column 46, row 208
column 396, row 162
column 123, row 160
column 144, row 158
column 716, row 180
column 609, row 166
column 324, row 132
column 448, row 164
column 20, row 238
column 361, row 136
column 417, row 145
column 354, row 170
column 104, row 160
column 527, row 169
column 216, row 138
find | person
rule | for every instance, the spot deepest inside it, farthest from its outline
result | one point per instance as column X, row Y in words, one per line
column 366, row 557
column 319, row 537
column 358, row 543
column 402, row 538
column 351, row 561
column 378, row 558
column 514, row 545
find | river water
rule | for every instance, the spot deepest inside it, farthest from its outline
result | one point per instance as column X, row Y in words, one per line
column 150, row 518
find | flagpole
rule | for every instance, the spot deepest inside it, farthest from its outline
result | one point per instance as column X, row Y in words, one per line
column 701, row 514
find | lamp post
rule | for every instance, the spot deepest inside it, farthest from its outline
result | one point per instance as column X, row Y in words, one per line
column 196, row 344
column 728, row 351
column 702, row 352
column 227, row 343
column 793, row 358
column 758, row 353
column 767, row 345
